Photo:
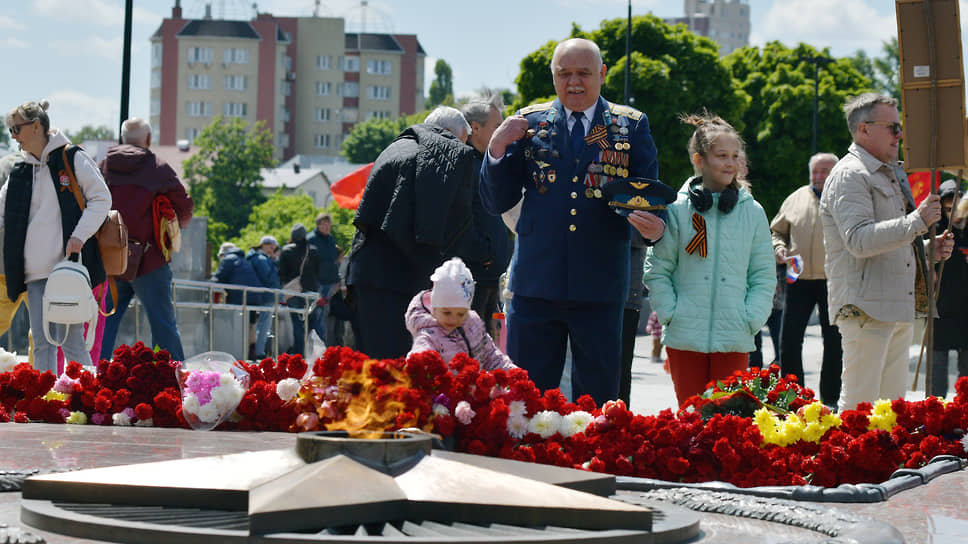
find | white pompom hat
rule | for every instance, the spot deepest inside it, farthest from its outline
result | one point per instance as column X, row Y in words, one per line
column 453, row 285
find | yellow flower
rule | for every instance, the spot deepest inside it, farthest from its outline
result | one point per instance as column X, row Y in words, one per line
column 54, row 395
column 77, row 418
column 882, row 416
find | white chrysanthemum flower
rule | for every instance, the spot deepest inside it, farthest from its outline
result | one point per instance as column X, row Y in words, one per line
column 145, row 423
column 517, row 426
column 227, row 395
column 121, row 419
column 190, row 403
column 517, row 408
column 545, row 423
column 7, row 361
column 208, row 413
column 964, row 442
column 575, row 423
column 288, row 389
column 441, row 410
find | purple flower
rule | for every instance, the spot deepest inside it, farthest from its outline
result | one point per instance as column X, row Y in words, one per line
column 443, row 400
column 97, row 418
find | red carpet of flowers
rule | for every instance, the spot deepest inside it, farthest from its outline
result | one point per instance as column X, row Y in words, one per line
column 717, row 437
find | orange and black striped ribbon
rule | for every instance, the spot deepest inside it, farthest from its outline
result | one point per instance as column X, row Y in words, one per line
column 699, row 240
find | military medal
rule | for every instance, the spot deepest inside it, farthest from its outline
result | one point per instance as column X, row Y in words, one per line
column 530, row 133
column 589, row 192
column 598, row 193
column 543, row 133
column 552, row 176
column 543, row 189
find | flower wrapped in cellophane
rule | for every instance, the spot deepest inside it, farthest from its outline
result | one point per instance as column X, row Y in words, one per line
column 212, row 385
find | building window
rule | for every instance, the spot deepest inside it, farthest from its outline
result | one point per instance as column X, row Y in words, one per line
column 351, row 64
column 191, row 134
column 198, row 109
column 375, row 92
column 322, row 115
column 283, row 140
column 199, row 81
column 349, row 88
column 377, row 115
column 324, row 62
column 285, row 88
column 156, row 55
column 236, row 83
column 155, row 79
column 285, row 114
column 234, row 109
column 199, row 54
column 351, row 115
column 235, row 55
column 321, row 141
column 155, row 106
column 287, row 63
column 379, row 67
column 324, row 88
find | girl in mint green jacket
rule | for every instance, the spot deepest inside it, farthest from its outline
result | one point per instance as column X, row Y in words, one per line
column 711, row 277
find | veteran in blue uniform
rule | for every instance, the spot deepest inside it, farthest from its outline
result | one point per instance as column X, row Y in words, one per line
column 570, row 270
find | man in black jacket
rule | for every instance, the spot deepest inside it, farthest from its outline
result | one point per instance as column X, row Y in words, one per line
column 415, row 214
column 484, row 115
column 299, row 260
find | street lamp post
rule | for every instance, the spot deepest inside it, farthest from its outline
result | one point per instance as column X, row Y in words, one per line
column 817, row 61
column 628, row 55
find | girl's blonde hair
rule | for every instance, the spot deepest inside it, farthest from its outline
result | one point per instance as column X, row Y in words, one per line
column 709, row 127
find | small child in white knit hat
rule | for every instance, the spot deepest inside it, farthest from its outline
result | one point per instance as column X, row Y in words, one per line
column 440, row 319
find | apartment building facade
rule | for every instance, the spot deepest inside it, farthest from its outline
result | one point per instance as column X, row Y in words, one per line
column 726, row 22
column 307, row 78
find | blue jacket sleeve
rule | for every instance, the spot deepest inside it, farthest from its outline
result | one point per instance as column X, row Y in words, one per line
column 502, row 182
column 644, row 160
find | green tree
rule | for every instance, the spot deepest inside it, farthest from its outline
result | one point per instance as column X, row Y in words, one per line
column 778, row 123
column 887, row 68
column 442, row 87
column 366, row 140
column 223, row 176
column 673, row 72
column 4, row 137
column 280, row 212
column 90, row 132
column 276, row 216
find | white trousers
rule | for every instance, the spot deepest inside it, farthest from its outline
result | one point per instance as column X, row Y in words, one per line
column 876, row 359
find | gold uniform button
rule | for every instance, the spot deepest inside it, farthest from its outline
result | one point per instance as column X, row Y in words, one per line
column 574, row 195
column 572, row 228
column 574, row 179
column 574, row 211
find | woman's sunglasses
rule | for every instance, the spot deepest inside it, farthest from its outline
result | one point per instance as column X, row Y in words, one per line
column 15, row 130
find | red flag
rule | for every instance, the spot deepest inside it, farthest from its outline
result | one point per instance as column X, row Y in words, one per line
column 919, row 185
column 348, row 190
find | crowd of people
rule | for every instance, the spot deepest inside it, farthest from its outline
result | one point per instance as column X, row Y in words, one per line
column 467, row 198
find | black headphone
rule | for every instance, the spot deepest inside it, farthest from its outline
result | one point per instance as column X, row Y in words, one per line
column 702, row 199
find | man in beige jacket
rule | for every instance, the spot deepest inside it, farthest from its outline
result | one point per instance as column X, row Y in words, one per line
column 797, row 230
column 870, row 226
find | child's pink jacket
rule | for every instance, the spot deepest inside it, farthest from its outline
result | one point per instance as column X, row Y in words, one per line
column 471, row 338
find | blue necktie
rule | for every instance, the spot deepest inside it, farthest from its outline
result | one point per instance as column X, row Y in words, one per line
column 577, row 133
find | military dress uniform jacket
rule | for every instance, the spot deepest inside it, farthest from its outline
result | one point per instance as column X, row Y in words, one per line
column 570, row 245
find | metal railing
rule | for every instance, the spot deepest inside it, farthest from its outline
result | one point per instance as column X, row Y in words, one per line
column 204, row 300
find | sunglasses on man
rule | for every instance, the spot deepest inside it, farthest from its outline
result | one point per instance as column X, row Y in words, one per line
column 15, row 130
column 895, row 128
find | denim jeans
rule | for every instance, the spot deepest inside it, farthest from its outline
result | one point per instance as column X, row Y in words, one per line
column 322, row 323
column 45, row 353
column 154, row 291
column 262, row 333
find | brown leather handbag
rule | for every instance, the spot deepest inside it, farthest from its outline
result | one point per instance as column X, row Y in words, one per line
column 112, row 237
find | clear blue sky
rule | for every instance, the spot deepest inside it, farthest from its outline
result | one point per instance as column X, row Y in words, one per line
column 70, row 50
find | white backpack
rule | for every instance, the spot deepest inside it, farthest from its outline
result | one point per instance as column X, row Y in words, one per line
column 68, row 300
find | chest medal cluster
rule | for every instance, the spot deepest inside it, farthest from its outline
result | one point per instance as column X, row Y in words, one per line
column 611, row 160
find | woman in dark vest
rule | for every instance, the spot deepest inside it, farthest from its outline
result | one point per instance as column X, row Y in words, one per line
column 43, row 221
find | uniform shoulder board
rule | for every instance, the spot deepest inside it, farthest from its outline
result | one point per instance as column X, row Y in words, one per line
column 544, row 106
column 627, row 111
